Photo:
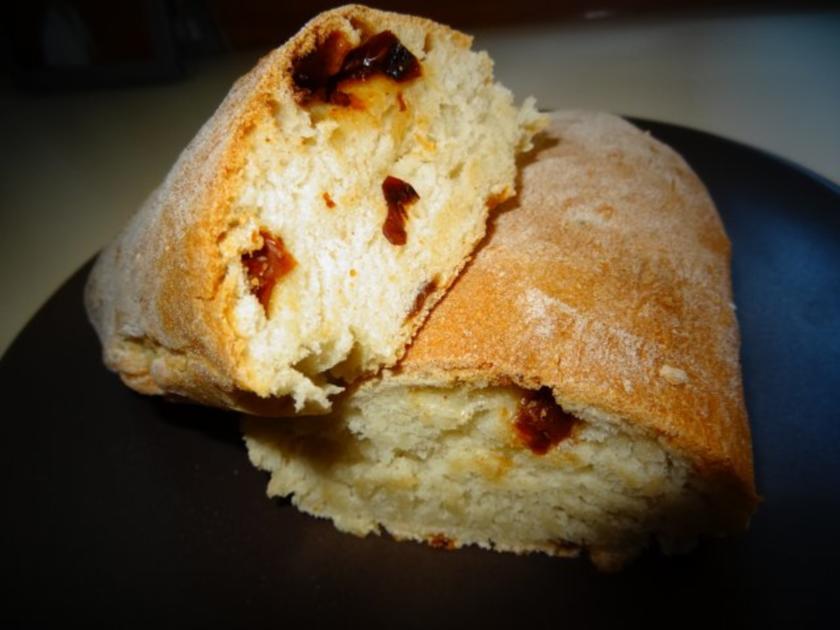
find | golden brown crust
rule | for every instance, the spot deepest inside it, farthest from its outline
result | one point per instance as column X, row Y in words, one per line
column 609, row 282
column 157, row 296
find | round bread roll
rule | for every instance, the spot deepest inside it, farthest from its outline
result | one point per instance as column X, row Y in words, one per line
column 578, row 388
column 308, row 229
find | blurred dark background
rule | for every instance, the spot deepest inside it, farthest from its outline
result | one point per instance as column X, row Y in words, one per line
column 82, row 43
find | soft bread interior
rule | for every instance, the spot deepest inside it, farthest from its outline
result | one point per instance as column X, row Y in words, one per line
column 314, row 181
column 449, row 465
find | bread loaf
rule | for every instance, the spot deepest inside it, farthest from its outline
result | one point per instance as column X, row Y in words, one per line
column 308, row 229
column 578, row 388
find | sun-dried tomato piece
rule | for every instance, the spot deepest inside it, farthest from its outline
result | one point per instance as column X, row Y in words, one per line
column 323, row 71
column 381, row 54
column 541, row 423
column 312, row 71
column 398, row 195
column 267, row 266
column 420, row 298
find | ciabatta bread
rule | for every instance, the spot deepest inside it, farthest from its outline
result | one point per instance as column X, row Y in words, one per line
column 305, row 233
column 578, row 388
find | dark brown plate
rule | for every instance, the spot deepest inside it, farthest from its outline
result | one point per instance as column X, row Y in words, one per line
column 121, row 510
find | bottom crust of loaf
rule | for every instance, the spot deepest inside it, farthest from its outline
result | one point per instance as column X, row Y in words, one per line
column 446, row 465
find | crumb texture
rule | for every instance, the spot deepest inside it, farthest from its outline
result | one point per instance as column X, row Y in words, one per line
column 427, row 462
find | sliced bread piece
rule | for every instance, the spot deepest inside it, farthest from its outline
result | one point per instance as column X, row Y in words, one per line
column 305, row 233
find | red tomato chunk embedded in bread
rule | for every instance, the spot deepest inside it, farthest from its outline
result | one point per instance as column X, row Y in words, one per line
column 267, row 266
column 541, row 423
column 323, row 71
column 398, row 195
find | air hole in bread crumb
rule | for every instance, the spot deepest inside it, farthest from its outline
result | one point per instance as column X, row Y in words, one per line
column 232, row 224
column 420, row 299
column 497, row 198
